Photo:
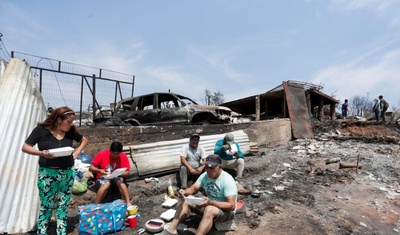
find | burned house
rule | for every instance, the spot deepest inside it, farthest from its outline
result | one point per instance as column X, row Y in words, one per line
column 293, row 99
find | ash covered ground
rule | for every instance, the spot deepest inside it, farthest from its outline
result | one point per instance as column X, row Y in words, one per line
column 298, row 192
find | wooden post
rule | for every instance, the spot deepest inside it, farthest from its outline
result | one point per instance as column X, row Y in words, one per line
column 332, row 113
column 257, row 108
column 321, row 109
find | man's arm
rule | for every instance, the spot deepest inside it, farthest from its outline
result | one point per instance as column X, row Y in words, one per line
column 239, row 151
column 95, row 169
column 189, row 191
column 229, row 205
column 187, row 165
column 220, row 147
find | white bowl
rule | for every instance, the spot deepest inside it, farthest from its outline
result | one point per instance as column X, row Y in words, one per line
column 155, row 225
column 61, row 152
column 194, row 200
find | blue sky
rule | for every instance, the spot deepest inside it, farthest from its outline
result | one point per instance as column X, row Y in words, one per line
column 241, row 48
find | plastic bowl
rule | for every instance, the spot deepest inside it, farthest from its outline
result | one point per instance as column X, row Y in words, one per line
column 155, row 225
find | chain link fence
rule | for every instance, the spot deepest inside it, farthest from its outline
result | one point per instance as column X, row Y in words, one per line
column 78, row 86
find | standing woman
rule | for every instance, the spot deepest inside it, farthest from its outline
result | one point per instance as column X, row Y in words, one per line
column 56, row 174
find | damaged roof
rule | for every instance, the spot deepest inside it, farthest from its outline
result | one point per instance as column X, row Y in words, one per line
column 247, row 106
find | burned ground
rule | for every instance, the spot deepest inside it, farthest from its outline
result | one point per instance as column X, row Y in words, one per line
column 298, row 192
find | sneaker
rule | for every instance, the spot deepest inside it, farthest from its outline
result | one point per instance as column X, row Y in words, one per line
column 181, row 228
column 244, row 191
column 240, row 207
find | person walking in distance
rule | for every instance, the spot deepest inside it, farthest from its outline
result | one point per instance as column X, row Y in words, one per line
column 384, row 107
column 376, row 109
column 345, row 108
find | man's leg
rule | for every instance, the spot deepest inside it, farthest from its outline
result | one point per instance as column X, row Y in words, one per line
column 124, row 191
column 183, row 176
column 240, row 167
column 210, row 212
column 237, row 164
column 103, row 186
column 383, row 114
column 180, row 215
column 229, row 164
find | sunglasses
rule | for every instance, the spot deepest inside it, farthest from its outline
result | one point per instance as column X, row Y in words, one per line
column 68, row 112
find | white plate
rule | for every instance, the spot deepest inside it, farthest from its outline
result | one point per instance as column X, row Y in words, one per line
column 194, row 200
column 61, row 152
column 168, row 215
column 233, row 150
column 115, row 173
column 170, row 203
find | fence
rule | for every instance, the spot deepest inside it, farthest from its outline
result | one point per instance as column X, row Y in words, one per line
column 83, row 88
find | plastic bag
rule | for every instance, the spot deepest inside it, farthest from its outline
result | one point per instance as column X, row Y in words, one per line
column 80, row 186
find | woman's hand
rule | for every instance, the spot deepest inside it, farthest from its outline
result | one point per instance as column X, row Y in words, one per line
column 46, row 154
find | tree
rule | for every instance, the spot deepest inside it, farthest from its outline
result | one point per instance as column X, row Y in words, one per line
column 208, row 96
column 213, row 99
column 359, row 104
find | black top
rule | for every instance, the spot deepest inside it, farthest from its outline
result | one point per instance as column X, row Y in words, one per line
column 45, row 141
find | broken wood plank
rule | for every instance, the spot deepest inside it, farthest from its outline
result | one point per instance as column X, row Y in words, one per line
column 332, row 160
column 350, row 165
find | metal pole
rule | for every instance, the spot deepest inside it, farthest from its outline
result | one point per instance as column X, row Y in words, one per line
column 81, row 103
column 94, row 95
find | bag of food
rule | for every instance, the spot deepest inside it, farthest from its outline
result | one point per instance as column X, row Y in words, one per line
column 102, row 218
column 80, row 186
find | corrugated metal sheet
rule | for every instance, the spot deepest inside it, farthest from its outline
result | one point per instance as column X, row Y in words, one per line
column 298, row 110
column 164, row 156
column 2, row 67
column 21, row 107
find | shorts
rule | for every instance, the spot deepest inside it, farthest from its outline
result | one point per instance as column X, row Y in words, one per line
column 222, row 216
column 102, row 181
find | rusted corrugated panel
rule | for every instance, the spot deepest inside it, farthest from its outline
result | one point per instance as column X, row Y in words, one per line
column 21, row 107
column 164, row 156
column 298, row 111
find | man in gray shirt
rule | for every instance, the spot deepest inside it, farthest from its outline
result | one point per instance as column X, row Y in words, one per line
column 192, row 160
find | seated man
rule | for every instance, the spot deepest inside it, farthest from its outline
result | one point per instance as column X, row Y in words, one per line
column 229, row 151
column 218, row 207
column 104, row 163
column 192, row 160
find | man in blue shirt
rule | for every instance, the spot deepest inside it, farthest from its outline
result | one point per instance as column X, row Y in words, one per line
column 229, row 151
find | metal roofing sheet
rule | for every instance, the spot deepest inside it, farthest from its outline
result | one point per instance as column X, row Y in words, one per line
column 21, row 106
column 164, row 156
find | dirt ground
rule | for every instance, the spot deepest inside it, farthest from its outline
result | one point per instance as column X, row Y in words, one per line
column 299, row 192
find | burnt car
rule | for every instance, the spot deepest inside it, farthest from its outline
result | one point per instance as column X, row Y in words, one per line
column 168, row 108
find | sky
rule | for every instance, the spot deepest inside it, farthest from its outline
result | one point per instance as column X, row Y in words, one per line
column 238, row 47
